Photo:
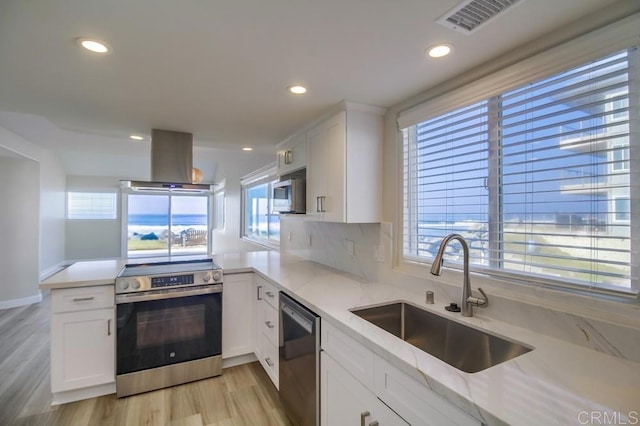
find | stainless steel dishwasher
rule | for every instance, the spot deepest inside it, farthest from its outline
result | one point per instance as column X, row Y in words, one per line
column 299, row 362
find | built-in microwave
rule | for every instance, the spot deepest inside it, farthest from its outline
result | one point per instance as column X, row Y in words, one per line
column 289, row 196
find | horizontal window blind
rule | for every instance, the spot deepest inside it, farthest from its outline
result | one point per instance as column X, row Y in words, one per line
column 538, row 179
column 445, row 188
column 92, row 205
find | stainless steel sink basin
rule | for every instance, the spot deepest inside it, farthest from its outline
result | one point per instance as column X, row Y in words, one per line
column 459, row 345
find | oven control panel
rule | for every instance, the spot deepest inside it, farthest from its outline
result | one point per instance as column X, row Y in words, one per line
column 171, row 280
column 155, row 282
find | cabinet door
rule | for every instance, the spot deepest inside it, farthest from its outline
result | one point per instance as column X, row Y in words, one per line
column 345, row 401
column 316, row 171
column 238, row 310
column 414, row 401
column 82, row 349
column 335, row 158
column 293, row 155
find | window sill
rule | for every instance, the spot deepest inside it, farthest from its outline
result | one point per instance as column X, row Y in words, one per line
column 262, row 243
column 621, row 310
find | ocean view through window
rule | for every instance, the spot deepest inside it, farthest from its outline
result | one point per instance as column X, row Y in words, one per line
column 161, row 225
column 259, row 223
column 537, row 179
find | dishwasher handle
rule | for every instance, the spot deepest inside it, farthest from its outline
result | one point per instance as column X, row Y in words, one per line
column 297, row 316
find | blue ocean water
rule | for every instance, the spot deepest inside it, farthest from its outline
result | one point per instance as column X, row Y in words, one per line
column 163, row 219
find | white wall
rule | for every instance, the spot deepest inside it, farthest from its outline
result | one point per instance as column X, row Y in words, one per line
column 52, row 213
column 93, row 239
column 231, row 167
column 19, row 230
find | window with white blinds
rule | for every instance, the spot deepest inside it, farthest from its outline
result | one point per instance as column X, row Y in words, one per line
column 539, row 179
column 92, row 205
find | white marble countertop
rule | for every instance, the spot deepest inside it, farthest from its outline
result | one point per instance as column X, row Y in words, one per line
column 83, row 274
column 555, row 383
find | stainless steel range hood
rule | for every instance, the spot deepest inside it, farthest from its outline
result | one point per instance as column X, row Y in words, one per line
column 171, row 164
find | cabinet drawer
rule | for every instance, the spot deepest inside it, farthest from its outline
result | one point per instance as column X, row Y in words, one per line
column 270, row 324
column 415, row 402
column 353, row 356
column 269, row 359
column 82, row 298
column 269, row 292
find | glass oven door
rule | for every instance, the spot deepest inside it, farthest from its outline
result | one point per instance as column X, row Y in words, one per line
column 168, row 327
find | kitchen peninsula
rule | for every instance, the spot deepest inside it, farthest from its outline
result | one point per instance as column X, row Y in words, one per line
column 555, row 383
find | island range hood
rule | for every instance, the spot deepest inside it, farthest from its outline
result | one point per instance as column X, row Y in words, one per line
column 171, row 164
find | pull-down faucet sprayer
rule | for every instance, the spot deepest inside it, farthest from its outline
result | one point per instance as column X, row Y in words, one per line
column 468, row 301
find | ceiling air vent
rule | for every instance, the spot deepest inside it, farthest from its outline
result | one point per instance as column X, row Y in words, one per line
column 469, row 15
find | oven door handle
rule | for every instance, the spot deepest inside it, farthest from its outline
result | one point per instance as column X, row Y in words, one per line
column 168, row 294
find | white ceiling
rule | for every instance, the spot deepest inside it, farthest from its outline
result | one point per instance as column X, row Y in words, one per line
column 220, row 68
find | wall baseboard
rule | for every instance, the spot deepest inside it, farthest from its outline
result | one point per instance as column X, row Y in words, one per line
column 238, row 360
column 14, row 303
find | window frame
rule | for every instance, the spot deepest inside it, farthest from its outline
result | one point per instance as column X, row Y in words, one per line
column 589, row 47
column 125, row 192
column 267, row 174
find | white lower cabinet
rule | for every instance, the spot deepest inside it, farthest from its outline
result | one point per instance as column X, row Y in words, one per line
column 238, row 315
column 346, row 401
column 355, row 380
column 82, row 338
column 416, row 403
column 267, row 328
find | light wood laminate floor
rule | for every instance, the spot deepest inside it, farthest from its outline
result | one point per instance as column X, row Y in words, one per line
column 243, row 395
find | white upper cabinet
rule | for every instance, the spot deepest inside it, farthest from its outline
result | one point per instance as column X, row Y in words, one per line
column 292, row 155
column 344, row 166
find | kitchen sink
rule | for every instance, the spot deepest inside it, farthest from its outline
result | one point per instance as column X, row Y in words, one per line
column 459, row 345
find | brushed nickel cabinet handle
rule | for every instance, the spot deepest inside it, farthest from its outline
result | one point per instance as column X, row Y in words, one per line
column 322, row 200
column 288, row 157
column 258, row 291
column 374, row 423
column 269, row 294
column 363, row 417
column 109, row 327
column 269, row 324
column 83, row 299
column 269, row 362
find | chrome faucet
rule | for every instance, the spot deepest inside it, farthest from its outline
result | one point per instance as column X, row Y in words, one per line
column 468, row 301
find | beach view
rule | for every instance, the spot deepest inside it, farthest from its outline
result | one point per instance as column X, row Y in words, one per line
column 166, row 224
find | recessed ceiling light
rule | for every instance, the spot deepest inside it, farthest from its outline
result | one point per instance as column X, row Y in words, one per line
column 94, row 46
column 247, row 148
column 298, row 90
column 439, row 50
column 136, row 137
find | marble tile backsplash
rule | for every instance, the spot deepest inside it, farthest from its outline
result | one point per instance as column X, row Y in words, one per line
column 351, row 248
column 364, row 250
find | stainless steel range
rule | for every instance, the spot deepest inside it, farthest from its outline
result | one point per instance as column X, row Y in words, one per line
column 169, row 324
